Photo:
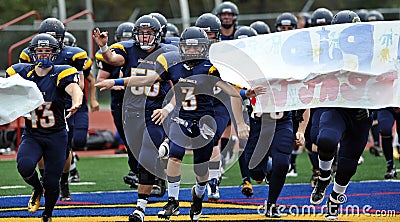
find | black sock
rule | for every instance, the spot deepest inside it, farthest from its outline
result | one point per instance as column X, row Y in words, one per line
column 325, row 173
column 34, row 181
column 143, row 196
column 64, row 177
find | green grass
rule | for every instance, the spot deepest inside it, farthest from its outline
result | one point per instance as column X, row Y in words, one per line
column 107, row 173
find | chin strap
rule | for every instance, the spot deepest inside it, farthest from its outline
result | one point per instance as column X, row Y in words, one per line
column 44, row 63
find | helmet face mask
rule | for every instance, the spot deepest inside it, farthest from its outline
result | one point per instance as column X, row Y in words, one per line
column 193, row 45
column 44, row 49
column 147, row 32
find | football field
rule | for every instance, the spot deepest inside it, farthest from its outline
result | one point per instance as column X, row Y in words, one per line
column 102, row 196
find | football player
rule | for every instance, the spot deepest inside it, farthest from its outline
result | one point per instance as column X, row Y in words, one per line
column 227, row 12
column 193, row 100
column 320, row 17
column 77, row 58
column 350, row 127
column 138, row 58
column 45, row 133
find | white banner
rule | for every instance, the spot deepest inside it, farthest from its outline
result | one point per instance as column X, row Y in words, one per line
column 17, row 97
column 345, row 65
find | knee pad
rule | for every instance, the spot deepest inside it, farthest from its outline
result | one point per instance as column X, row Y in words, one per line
column 26, row 167
column 327, row 148
column 145, row 177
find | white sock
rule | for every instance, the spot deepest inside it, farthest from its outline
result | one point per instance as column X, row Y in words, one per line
column 325, row 165
column 199, row 190
column 173, row 189
column 213, row 173
column 339, row 188
column 142, row 204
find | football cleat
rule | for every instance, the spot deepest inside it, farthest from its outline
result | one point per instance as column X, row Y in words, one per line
column 391, row 172
column 159, row 188
column 34, row 201
column 318, row 194
column 272, row 211
column 137, row 215
column 375, row 150
column 46, row 218
column 131, row 179
column 247, row 188
column 197, row 206
column 292, row 171
column 213, row 190
column 332, row 208
column 65, row 195
column 169, row 209
column 74, row 176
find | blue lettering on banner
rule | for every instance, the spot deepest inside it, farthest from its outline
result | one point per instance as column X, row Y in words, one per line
column 358, row 40
column 294, row 53
column 355, row 40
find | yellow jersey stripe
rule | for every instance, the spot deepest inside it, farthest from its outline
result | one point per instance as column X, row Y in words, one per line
column 79, row 55
column 66, row 72
column 161, row 59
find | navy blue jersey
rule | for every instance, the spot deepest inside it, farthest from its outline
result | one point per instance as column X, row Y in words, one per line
column 48, row 117
column 117, row 96
column 69, row 55
column 193, row 91
column 141, row 63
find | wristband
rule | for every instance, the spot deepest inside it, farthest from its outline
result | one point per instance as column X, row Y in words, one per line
column 169, row 107
column 243, row 93
column 119, row 82
column 104, row 48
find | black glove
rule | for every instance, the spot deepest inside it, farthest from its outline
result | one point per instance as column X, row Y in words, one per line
column 361, row 114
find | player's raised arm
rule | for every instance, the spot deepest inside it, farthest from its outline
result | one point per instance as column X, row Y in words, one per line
column 110, row 57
